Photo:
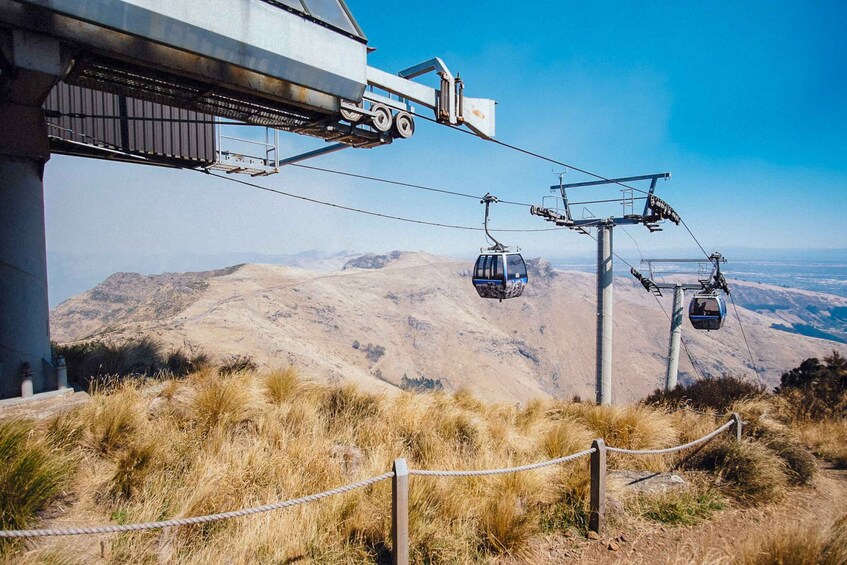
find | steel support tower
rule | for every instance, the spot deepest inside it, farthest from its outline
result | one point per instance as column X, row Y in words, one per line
column 675, row 339
column 655, row 210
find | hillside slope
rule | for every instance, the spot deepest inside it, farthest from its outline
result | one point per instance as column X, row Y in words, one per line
column 422, row 318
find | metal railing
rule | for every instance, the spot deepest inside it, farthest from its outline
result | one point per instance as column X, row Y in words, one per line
column 400, row 493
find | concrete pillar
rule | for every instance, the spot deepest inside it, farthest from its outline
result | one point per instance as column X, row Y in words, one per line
column 676, row 338
column 35, row 64
column 605, row 302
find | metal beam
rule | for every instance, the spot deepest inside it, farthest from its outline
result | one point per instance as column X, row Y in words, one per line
column 613, row 181
column 316, row 153
column 605, row 303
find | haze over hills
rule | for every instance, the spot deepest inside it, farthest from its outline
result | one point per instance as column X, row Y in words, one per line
column 415, row 315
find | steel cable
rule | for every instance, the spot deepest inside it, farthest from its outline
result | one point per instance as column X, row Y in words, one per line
column 484, row 472
column 703, row 439
column 111, row 528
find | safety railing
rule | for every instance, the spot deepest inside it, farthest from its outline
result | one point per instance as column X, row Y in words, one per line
column 400, row 493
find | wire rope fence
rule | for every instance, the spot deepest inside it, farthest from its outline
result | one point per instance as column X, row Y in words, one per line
column 400, row 474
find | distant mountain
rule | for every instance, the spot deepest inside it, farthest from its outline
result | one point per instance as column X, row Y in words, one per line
column 388, row 320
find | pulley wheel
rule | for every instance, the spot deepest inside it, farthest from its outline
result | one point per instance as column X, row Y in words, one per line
column 404, row 125
column 351, row 115
column 381, row 120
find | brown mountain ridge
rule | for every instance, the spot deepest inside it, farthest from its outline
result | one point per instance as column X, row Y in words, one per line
column 386, row 320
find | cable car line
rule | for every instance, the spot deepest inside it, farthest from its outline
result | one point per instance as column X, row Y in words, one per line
column 401, row 183
column 534, row 154
column 366, row 212
column 744, row 335
column 694, row 238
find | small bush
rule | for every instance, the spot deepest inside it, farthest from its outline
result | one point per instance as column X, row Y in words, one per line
column 816, row 391
column 31, row 475
column 420, row 384
column 800, row 464
column 570, row 508
column 564, row 438
column 87, row 361
column 180, row 363
column 236, row 364
column 718, row 394
column 113, row 421
column 374, row 352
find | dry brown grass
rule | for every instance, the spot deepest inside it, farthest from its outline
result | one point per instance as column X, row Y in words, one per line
column 211, row 443
column 826, row 439
column 792, row 543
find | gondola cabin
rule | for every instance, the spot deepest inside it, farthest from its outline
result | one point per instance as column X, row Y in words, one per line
column 707, row 311
column 500, row 275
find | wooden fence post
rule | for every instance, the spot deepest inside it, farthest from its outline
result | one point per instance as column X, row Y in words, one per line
column 597, row 509
column 400, row 512
column 738, row 425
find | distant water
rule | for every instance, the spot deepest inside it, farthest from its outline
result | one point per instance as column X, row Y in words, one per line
column 818, row 276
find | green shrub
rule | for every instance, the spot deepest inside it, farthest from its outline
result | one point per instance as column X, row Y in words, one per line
column 93, row 360
column 816, row 391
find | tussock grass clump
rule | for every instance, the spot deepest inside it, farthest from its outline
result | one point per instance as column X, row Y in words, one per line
column 835, row 547
column 113, row 421
column 748, row 471
column 281, row 385
column 32, row 474
column 794, row 545
column 684, row 507
column 798, row 543
column 630, row 427
column 827, row 440
column 800, row 466
column 220, row 402
column 565, row 437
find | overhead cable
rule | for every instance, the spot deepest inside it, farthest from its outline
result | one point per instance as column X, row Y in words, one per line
column 366, row 212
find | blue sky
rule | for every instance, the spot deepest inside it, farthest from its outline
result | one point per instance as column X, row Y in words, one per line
column 743, row 102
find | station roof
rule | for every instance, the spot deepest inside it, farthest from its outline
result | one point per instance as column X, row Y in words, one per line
column 332, row 13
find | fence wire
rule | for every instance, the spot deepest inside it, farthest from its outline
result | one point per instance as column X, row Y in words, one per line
column 483, row 472
column 703, row 439
column 111, row 528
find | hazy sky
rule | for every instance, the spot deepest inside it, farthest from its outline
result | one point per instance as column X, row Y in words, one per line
column 743, row 102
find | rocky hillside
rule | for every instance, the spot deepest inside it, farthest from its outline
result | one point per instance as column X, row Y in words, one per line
column 388, row 321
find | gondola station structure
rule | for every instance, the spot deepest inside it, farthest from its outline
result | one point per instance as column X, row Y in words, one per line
column 153, row 82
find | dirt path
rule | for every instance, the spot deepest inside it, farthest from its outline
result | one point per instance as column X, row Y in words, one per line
column 716, row 541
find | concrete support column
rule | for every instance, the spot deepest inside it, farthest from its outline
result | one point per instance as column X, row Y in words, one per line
column 33, row 65
column 676, row 338
column 24, row 311
column 605, row 301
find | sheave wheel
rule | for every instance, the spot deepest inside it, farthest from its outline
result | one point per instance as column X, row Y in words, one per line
column 381, row 120
column 351, row 116
column 404, row 125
